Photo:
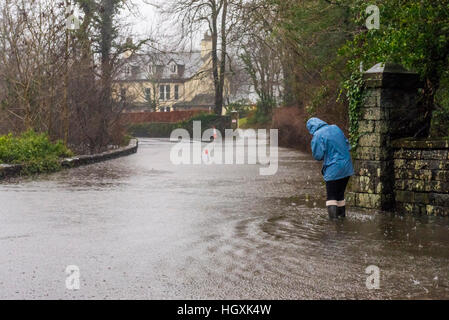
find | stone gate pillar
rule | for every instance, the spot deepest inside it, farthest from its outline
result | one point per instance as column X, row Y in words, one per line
column 389, row 111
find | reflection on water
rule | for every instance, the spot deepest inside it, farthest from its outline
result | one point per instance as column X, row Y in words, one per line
column 139, row 227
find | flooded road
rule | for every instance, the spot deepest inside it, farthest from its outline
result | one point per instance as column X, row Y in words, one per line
column 139, row 227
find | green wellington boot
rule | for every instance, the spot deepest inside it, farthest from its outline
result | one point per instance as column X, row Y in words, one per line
column 332, row 210
column 341, row 212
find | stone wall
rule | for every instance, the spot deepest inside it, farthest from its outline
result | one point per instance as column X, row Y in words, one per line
column 421, row 172
column 392, row 172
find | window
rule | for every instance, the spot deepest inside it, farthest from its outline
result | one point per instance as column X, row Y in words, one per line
column 148, row 94
column 167, row 92
column 161, row 92
column 176, row 92
column 173, row 68
column 135, row 70
column 164, row 92
column 123, row 94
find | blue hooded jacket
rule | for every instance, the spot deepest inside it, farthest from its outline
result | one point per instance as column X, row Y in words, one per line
column 330, row 144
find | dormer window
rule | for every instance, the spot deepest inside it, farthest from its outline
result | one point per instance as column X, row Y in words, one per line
column 173, row 68
column 135, row 70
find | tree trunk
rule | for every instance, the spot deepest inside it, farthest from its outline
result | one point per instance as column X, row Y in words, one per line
column 214, row 36
column 219, row 98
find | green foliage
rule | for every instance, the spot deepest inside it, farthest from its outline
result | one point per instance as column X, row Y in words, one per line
column 163, row 130
column 263, row 112
column 312, row 32
column 35, row 151
column 154, row 129
column 240, row 106
column 255, row 118
column 413, row 33
column 243, row 123
column 440, row 119
column 354, row 93
column 319, row 98
column 440, row 122
column 207, row 121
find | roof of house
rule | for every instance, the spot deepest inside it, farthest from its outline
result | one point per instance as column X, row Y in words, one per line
column 188, row 64
column 200, row 100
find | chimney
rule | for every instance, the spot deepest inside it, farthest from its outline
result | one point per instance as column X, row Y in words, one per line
column 206, row 45
column 129, row 43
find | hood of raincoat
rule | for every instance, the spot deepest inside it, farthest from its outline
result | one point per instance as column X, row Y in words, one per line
column 314, row 124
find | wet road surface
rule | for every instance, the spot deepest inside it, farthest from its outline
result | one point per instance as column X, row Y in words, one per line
column 139, row 227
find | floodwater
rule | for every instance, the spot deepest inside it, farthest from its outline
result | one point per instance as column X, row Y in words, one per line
column 139, row 227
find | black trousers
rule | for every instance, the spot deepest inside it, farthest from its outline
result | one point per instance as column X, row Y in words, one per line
column 336, row 189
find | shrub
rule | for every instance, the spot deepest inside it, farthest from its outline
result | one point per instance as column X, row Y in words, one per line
column 207, row 121
column 35, row 151
column 152, row 129
column 240, row 106
column 291, row 123
column 163, row 130
column 440, row 123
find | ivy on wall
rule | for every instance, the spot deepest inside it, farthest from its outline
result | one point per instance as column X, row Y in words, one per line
column 354, row 93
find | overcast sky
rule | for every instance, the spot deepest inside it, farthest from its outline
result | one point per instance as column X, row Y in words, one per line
column 146, row 20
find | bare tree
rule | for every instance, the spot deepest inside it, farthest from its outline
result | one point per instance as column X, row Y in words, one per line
column 219, row 17
column 57, row 80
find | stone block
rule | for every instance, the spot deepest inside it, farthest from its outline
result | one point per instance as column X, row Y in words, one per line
column 404, row 196
column 405, row 173
column 417, row 185
column 373, row 140
column 441, row 175
column 350, row 199
column 434, row 154
column 425, row 175
column 411, row 185
column 411, row 208
column 381, row 127
column 399, row 163
column 440, row 199
column 422, row 197
column 420, row 164
column 372, row 153
column 442, row 165
column 399, row 184
column 372, row 98
column 366, row 126
column 371, row 168
column 366, row 200
column 407, row 154
column 372, row 113
column 362, row 184
column 437, row 186
column 437, row 210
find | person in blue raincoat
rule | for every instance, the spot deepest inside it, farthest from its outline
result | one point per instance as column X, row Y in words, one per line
column 330, row 145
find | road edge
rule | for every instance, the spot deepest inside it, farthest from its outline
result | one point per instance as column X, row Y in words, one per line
column 10, row 170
